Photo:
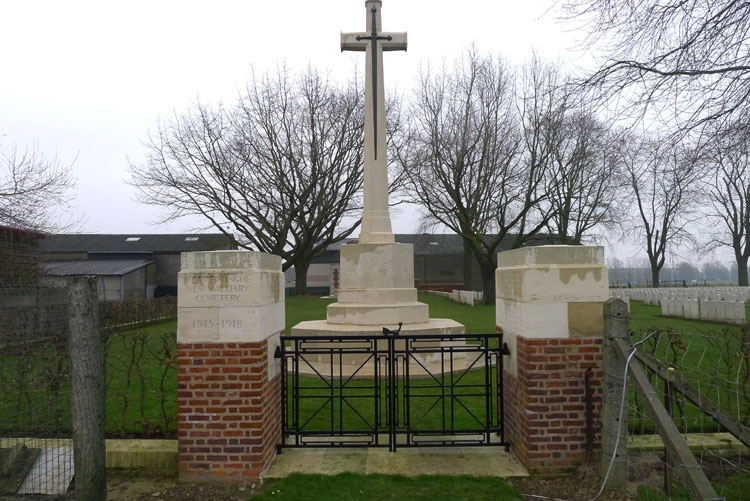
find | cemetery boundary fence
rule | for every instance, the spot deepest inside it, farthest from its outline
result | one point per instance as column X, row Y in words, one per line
column 61, row 352
column 675, row 411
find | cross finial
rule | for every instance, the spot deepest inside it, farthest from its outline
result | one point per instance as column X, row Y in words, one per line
column 376, row 221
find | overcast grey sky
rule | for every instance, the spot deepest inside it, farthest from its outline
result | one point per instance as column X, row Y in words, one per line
column 89, row 79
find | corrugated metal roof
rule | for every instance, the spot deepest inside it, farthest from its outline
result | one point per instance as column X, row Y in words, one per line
column 135, row 242
column 428, row 244
column 108, row 267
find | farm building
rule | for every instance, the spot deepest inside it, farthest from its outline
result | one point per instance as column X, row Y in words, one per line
column 128, row 266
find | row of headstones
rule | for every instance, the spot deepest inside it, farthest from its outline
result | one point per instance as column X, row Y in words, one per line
column 704, row 309
column 466, row 297
column 653, row 296
column 726, row 306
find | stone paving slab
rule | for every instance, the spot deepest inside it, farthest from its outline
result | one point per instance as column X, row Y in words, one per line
column 720, row 443
column 120, row 453
column 51, row 474
column 479, row 461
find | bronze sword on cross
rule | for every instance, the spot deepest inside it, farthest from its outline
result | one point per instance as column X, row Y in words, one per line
column 373, row 41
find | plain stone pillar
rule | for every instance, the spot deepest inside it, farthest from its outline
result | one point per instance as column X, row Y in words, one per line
column 549, row 306
column 230, row 318
column 614, row 458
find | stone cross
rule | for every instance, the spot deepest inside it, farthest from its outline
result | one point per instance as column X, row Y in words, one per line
column 376, row 218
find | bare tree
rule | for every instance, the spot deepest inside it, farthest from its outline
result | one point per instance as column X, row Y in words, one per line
column 662, row 182
column 35, row 191
column 586, row 181
column 478, row 156
column 729, row 194
column 282, row 169
column 686, row 60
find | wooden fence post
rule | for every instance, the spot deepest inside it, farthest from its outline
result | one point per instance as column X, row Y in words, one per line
column 615, row 402
column 86, row 349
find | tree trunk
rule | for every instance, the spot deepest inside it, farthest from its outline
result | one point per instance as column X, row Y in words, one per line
column 654, row 276
column 300, row 270
column 488, row 281
column 87, row 390
column 742, row 270
column 468, row 261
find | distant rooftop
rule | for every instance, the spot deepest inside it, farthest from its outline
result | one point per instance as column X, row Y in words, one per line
column 109, row 267
column 129, row 242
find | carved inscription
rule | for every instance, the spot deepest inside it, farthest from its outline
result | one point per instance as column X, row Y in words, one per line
column 225, row 290
column 210, row 324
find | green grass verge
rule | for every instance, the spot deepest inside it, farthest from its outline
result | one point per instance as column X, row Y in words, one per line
column 386, row 487
column 736, row 488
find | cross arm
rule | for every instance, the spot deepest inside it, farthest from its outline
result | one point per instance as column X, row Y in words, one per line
column 349, row 41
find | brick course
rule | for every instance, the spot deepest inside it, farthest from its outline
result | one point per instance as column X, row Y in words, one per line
column 545, row 405
column 229, row 413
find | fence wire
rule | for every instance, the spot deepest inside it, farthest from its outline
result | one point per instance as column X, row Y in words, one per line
column 36, row 451
column 708, row 376
column 36, row 425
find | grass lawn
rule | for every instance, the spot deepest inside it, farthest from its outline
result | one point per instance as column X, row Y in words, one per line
column 301, row 308
column 386, row 487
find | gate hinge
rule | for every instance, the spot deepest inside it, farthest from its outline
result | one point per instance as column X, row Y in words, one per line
column 277, row 353
column 505, row 350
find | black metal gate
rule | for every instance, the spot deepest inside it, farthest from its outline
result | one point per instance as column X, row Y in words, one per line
column 392, row 390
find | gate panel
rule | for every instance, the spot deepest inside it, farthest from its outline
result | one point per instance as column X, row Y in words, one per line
column 332, row 392
column 392, row 390
column 450, row 390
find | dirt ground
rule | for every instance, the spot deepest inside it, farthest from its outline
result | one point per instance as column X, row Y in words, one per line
column 142, row 485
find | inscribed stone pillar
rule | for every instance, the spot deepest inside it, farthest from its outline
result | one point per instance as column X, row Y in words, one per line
column 230, row 317
column 549, row 306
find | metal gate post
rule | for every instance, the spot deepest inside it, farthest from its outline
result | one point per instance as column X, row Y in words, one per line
column 391, row 391
column 281, row 353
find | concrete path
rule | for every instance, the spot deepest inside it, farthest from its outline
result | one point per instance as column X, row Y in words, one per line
column 480, row 461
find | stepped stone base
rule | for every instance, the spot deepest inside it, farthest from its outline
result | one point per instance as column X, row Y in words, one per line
column 377, row 287
column 324, row 328
column 361, row 365
column 414, row 313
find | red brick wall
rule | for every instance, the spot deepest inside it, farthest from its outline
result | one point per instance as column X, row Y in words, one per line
column 545, row 406
column 229, row 414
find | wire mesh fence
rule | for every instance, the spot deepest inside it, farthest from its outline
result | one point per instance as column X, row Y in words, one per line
column 703, row 382
column 35, row 417
column 141, row 383
column 37, row 344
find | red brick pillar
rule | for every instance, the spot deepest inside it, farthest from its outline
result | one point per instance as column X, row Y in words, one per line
column 230, row 316
column 550, row 310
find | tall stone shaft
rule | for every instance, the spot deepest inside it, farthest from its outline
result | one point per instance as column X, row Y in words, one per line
column 376, row 217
